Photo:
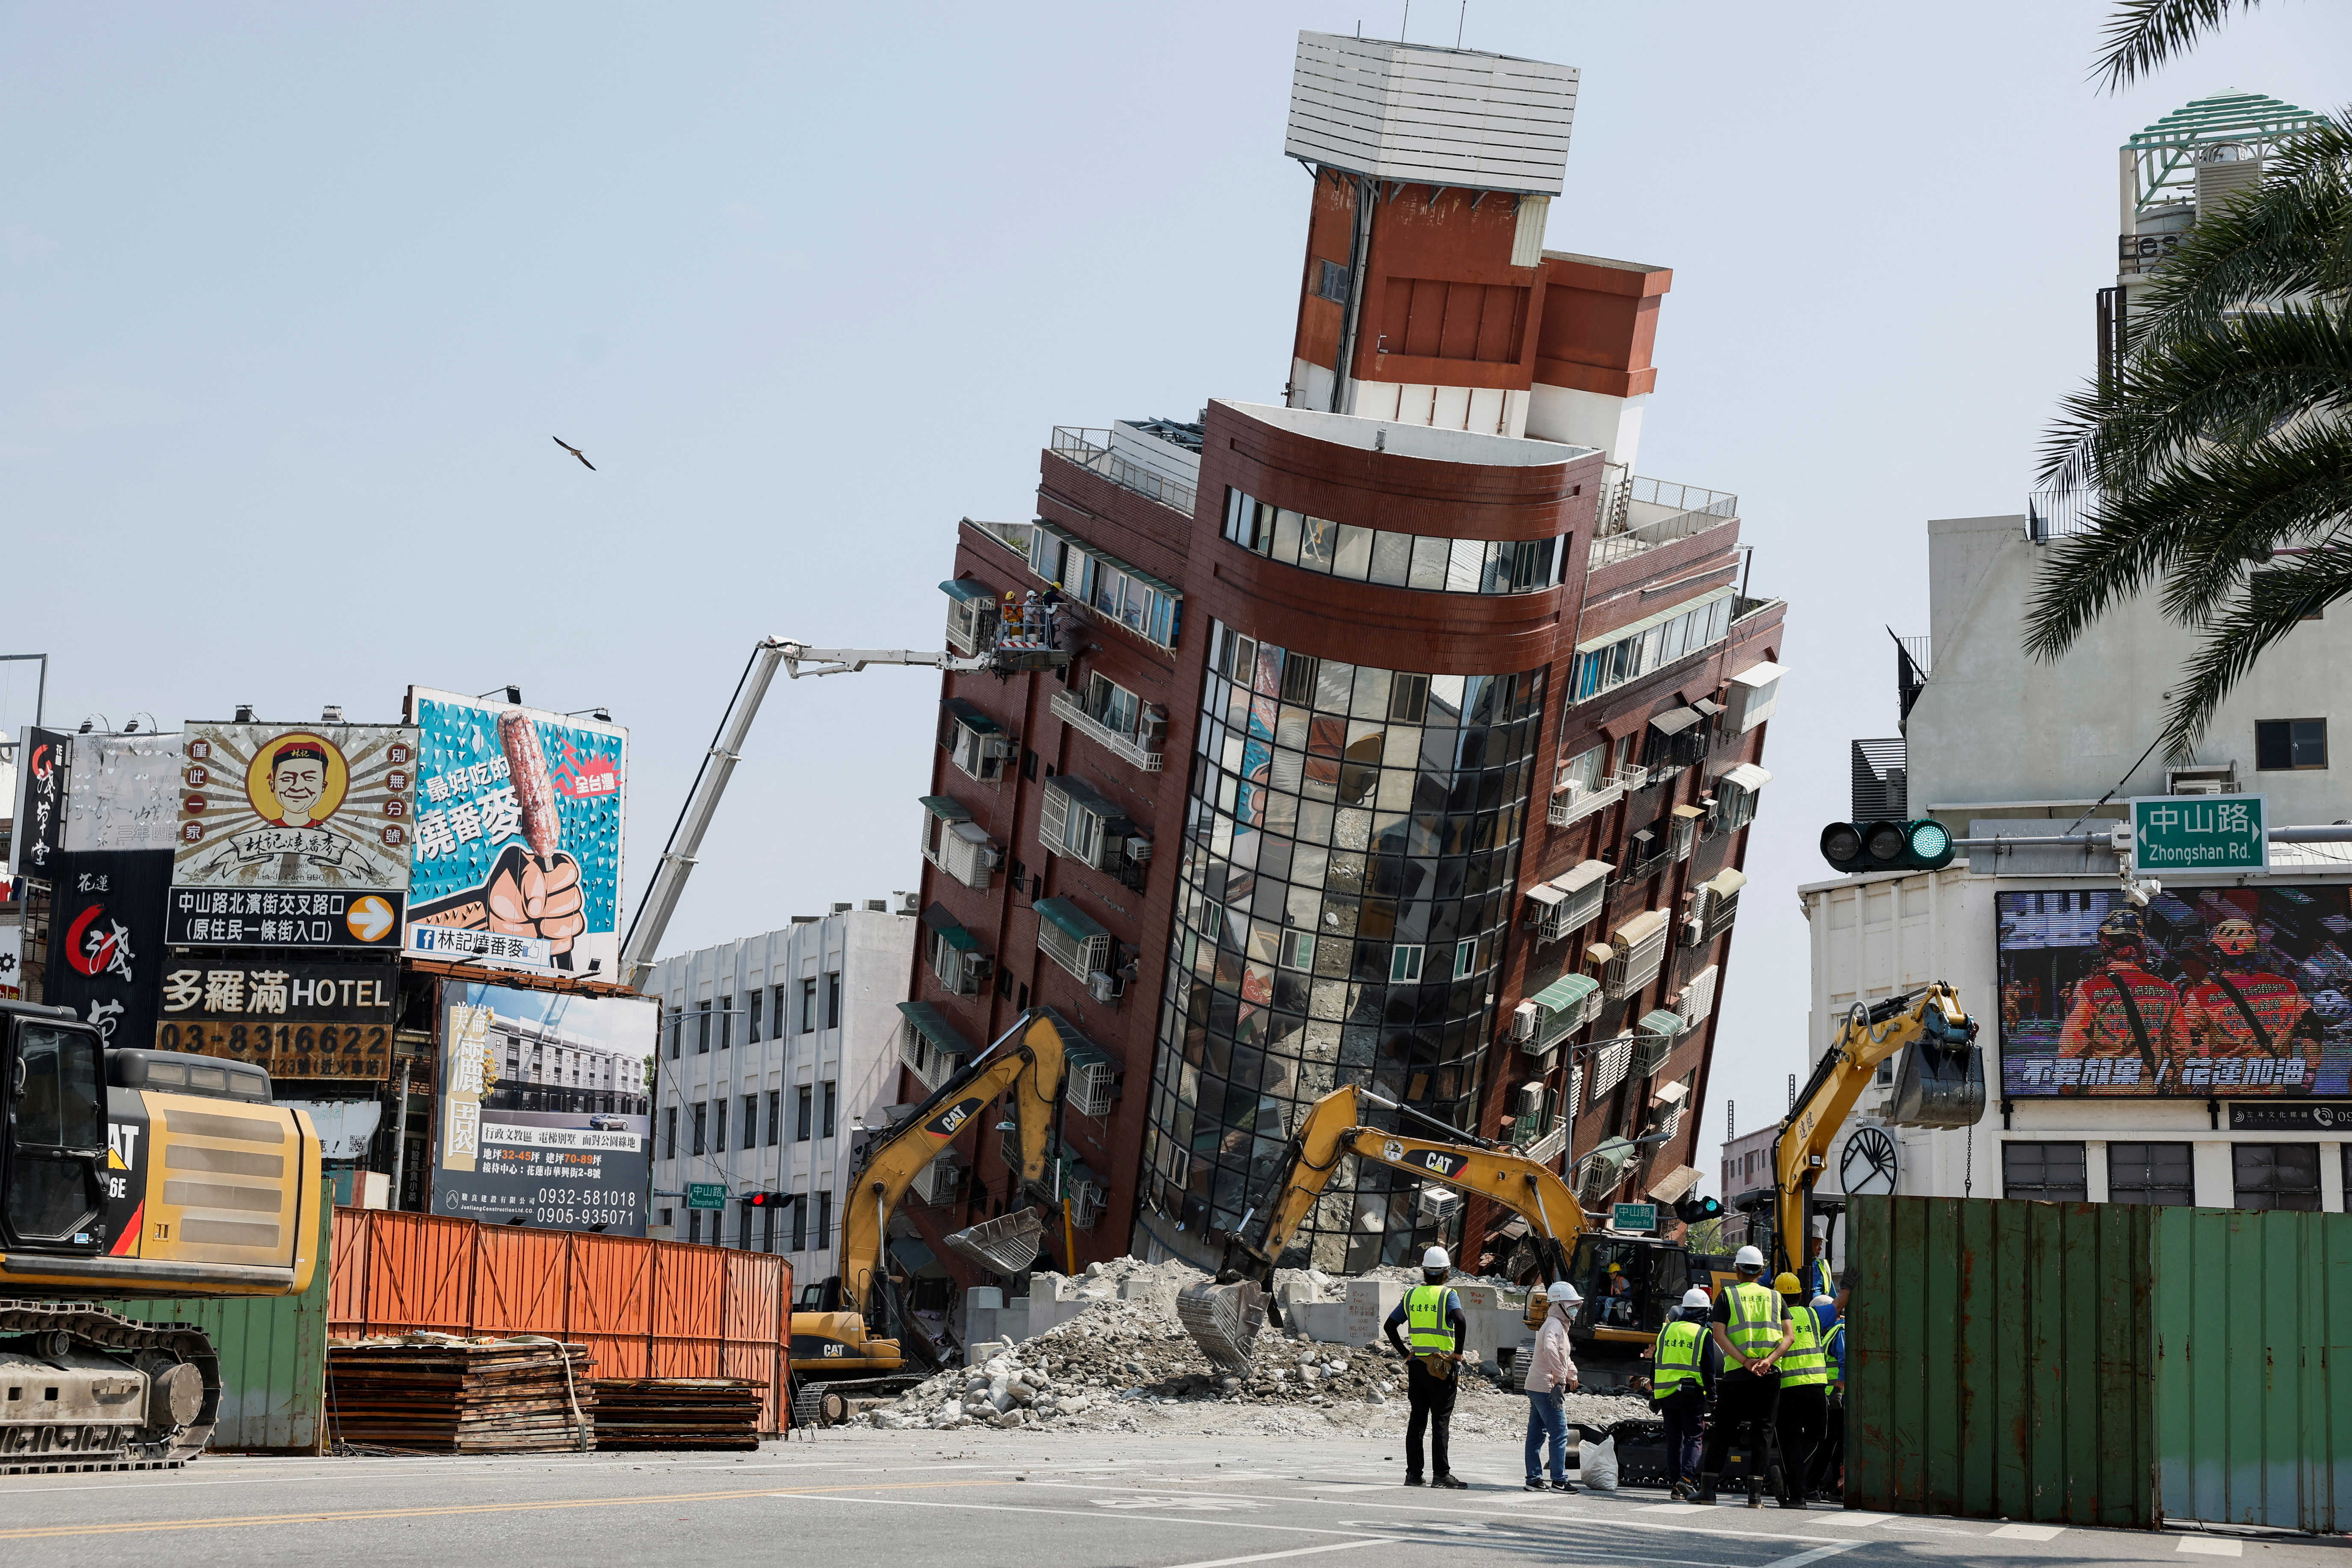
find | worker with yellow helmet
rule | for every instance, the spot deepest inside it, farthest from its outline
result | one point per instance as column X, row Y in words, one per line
column 1804, row 1383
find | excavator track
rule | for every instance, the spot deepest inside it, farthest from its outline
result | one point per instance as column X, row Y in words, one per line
column 61, row 1448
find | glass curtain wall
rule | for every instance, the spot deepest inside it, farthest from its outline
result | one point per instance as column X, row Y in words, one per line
column 1351, row 842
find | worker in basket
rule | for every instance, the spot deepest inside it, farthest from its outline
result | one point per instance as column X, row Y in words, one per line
column 1433, row 1315
column 1551, row 1373
column 1752, row 1331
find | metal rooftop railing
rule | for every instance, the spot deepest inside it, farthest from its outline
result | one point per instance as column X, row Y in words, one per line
column 1075, row 443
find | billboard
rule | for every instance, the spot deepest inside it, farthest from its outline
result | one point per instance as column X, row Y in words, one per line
column 123, row 793
column 519, row 830
column 292, row 837
column 2223, row 992
column 106, row 941
column 542, row 1115
column 40, row 830
column 294, row 1018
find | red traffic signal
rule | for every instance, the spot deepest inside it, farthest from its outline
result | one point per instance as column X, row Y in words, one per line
column 766, row 1200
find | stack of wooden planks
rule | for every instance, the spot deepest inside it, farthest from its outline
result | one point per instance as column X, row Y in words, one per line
column 677, row 1413
column 440, row 1393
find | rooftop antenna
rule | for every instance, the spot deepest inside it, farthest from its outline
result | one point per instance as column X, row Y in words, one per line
column 1729, row 1127
column 1406, row 22
column 1459, row 22
column 1793, row 1091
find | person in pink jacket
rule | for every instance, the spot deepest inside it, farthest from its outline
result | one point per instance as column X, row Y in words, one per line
column 1550, row 1375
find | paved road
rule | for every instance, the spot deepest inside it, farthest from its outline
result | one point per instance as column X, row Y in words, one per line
column 913, row 1500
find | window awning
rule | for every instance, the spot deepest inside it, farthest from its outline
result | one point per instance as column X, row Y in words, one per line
column 1657, row 618
column 1085, row 795
column 964, row 591
column 1582, row 876
column 1675, row 720
column 1760, row 674
column 932, row 1025
column 1727, row 881
column 1547, row 894
column 970, row 717
column 945, row 808
column 1690, row 811
column 1708, row 707
column 1748, row 776
column 1073, row 921
column 970, row 832
column 1674, row 1093
column 1661, row 1021
column 1645, row 837
column 1646, row 924
column 1670, row 1188
column 1108, row 558
column 952, row 932
column 1609, row 1155
column 1565, row 993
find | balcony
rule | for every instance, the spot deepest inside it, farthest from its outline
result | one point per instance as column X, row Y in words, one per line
column 1071, row 710
column 1639, row 514
column 1078, row 446
column 1012, row 536
column 930, row 1048
column 1550, row 1145
column 1575, row 802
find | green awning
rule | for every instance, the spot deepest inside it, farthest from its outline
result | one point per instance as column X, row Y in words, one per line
column 1567, row 991
column 964, row 591
column 1661, row 1022
column 1073, row 921
column 933, row 1026
column 945, row 808
column 950, row 932
column 970, row 717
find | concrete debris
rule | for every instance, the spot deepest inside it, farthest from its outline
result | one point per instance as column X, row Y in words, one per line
column 1124, row 1362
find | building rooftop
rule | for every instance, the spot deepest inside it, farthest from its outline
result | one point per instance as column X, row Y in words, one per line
column 1431, row 116
column 1423, row 441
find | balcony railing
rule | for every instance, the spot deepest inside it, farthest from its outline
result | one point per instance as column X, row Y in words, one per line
column 1071, row 709
column 2056, row 513
column 1575, row 802
column 1639, row 514
column 1551, row 1145
column 1013, row 536
column 1077, row 446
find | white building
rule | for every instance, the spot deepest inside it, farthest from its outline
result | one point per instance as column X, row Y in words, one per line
column 2223, row 1079
column 548, row 1068
column 774, row 1050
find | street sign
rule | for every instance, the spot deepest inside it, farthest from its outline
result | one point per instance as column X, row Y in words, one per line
column 1634, row 1217
column 705, row 1194
column 2200, row 832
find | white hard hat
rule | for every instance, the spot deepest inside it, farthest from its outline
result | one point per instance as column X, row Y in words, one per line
column 1695, row 1297
column 1824, row 1301
column 1436, row 1259
column 1748, row 1257
column 1561, row 1293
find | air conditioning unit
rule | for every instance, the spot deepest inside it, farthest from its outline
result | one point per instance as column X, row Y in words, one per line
column 989, row 855
column 1103, row 986
column 977, row 967
column 1523, row 1021
column 1695, row 928
column 1138, row 848
column 1093, row 1086
column 1528, row 1101
column 940, row 1179
column 1437, row 1204
column 998, row 748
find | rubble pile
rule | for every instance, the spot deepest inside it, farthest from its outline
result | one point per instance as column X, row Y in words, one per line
column 1124, row 1362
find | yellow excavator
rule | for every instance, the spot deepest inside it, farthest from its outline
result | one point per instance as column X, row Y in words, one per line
column 1614, row 1332
column 1940, row 1083
column 834, row 1339
column 132, row 1172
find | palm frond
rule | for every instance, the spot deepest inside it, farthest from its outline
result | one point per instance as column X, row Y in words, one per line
column 2275, row 603
column 2286, row 493
column 2142, row 35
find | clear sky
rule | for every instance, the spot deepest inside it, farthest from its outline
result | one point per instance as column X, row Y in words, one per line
column 293, row 296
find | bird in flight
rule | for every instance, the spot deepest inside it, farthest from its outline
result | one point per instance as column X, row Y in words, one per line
column 575, row 452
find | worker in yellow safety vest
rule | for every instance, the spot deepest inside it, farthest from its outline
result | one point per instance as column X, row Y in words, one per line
column 1684, row 1364
column 1751, row 1328
column 1433, row 1314
column 1804, row 1385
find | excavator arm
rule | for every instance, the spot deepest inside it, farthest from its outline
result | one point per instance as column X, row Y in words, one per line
column 1030, row 1067
column 1941, row 1085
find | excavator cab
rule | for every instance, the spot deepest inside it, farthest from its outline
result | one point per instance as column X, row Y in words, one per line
column 1629, row 1284
column 53, row 1142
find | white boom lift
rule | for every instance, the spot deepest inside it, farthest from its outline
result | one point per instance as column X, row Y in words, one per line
column 727, row 747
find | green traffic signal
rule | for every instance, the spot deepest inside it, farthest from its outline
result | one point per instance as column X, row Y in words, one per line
column 1922, row 844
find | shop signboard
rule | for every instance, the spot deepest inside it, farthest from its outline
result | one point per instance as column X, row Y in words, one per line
column 518, row 836
column 2205, row 993
column 39, row 834
column 293, row 838
column 106, row 941
column 297, row 1018
column 123, row 792
column 542, row 1116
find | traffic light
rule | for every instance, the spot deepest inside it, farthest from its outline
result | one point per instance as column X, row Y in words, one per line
column 1696, row 1209
column 766, row 1200
column 1922, row 844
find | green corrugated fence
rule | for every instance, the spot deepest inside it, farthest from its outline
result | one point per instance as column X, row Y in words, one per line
column 2097, row 1363
column 273, row 1353
column 1997, row 1360
column 2253, row 1367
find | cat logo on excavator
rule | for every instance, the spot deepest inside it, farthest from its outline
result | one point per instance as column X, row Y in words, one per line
column 949, row 1123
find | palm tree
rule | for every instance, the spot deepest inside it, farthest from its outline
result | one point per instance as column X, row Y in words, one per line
column 2220, row 439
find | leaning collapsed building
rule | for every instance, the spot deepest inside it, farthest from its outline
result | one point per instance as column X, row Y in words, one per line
column 1407, row 735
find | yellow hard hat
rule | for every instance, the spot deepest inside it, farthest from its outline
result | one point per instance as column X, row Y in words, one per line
column 1787, row 1284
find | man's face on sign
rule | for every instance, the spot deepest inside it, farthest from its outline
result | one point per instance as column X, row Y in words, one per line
column 298, row 783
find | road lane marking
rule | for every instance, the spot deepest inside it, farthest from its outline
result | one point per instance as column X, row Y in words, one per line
column 2029, row 1531
column 333, row 1516
column 1294, row 1551
column 1815, row 1555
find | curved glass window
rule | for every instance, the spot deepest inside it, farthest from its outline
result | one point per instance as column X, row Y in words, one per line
column 1426, row 561
column 1351, row 846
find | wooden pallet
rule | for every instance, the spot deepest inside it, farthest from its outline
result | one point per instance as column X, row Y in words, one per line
column 434, row 1393
column 677, row 1413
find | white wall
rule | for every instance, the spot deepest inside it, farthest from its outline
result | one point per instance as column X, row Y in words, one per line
column 872, row 951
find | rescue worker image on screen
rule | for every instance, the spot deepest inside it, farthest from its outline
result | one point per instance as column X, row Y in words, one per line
column 1432, row 1314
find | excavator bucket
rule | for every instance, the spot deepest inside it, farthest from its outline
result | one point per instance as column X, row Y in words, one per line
column 1224, row 1319
column 1939, row 1084
column 1007, row 1244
